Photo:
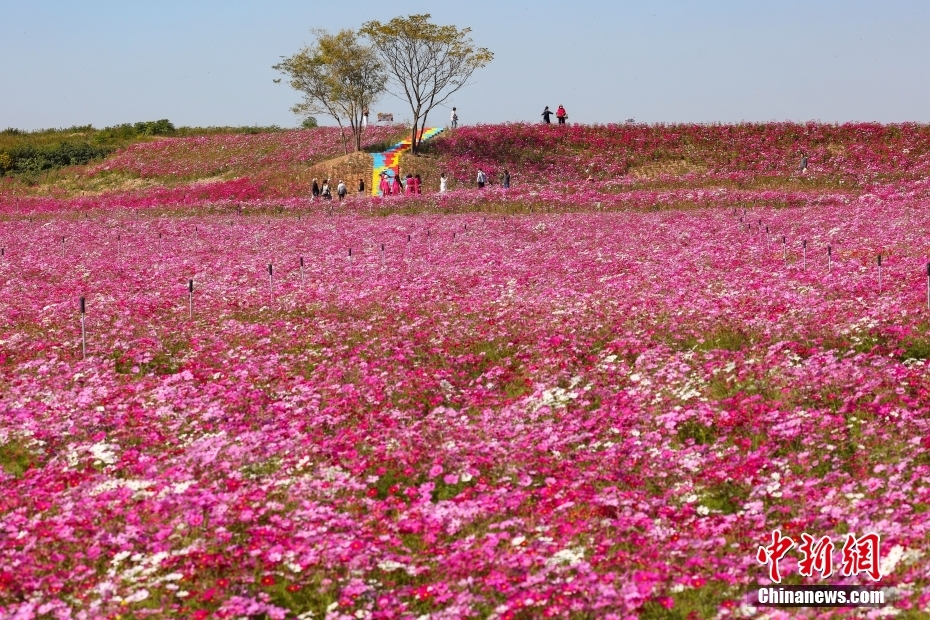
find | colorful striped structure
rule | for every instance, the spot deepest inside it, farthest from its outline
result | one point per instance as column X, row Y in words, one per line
column 389, row 161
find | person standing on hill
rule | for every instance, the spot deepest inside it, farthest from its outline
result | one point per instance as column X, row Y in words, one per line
column 315, row 190
column 505, row 179
column 546, row 114
column 395, row 186
column 385, row 186
column 325, row 191
column 803, row 167
column 361, row 186
column 365, row 117
column 443, row 183
column 408, row 184
column 341, row 190
column 454, row 119
column 561, row 114
column 416, row 184
column 481, row 179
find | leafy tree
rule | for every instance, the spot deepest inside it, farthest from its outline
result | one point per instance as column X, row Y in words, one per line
column 339, row 76
column 309, row 123
column 427, row 62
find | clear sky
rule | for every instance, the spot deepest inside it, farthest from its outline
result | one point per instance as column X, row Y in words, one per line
column 208, row 62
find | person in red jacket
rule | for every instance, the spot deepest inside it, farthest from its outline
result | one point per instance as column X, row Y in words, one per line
column 384, row 186
column 395, row 186
column 561, row 114
column 416, row 184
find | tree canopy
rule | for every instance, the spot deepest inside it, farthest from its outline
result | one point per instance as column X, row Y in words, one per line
column 338, row 75
column 427, row 62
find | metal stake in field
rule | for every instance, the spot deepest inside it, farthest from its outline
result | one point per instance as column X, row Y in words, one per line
column 83, row 330
column 301, row 272
column 271, row 281
column 350, row 255
column 829, row 257
column 382, row 255
column 928, row 286
column 190, row 299
column 784, row 248
column 804, row 251
column 879, row 273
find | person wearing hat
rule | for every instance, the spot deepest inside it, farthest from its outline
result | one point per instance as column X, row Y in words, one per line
column 561, row 114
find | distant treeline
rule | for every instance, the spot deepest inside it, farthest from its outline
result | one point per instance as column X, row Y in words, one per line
column 33, row 152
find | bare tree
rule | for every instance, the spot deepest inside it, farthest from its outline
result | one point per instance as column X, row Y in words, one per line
column 427, row 62
column 339, row 76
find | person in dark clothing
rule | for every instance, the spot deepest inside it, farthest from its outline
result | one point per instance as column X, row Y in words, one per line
column 546, row 114
column 316, row 189
column 506, row 179
column 803, row 167
column 416, row 184
column 361, row 186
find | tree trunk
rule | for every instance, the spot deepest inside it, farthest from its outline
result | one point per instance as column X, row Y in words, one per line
column 414, row 146
column 342, row 131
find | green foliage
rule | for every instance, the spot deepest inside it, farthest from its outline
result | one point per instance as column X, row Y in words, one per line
column 162, row 127
column 30, row 153
column 703, row 602
column 26, row 158
column 309, row 123
column 15, row 458
column 693, row 429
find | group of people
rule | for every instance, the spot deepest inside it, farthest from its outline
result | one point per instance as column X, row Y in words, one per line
column 560, row 114
column 325, row 192
column 392, row 186
column 483, row 178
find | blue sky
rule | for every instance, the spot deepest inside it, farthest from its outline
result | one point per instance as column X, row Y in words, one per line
column 208, row 62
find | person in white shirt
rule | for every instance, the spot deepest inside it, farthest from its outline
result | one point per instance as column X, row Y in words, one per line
column 455, row 119
column 442, row 183
column 481, row 179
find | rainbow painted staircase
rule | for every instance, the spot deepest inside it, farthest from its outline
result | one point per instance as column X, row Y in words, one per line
column 389, row 161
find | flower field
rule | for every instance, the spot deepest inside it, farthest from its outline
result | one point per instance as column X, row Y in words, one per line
column 595, row 404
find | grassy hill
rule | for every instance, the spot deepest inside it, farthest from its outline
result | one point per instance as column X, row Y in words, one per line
column 597, row 160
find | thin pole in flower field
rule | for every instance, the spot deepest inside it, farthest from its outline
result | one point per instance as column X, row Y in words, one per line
column 301, row 272
column 804, row 253
column 62, row 246
column 928, row 286
column 190, row 299
column 2, row 252
column 350, row 255
column 382, row 255
column 118, row 246
column 829, row 257
column 83, row 330
column 879, row 273
column 784, row 248
column 271, row 281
